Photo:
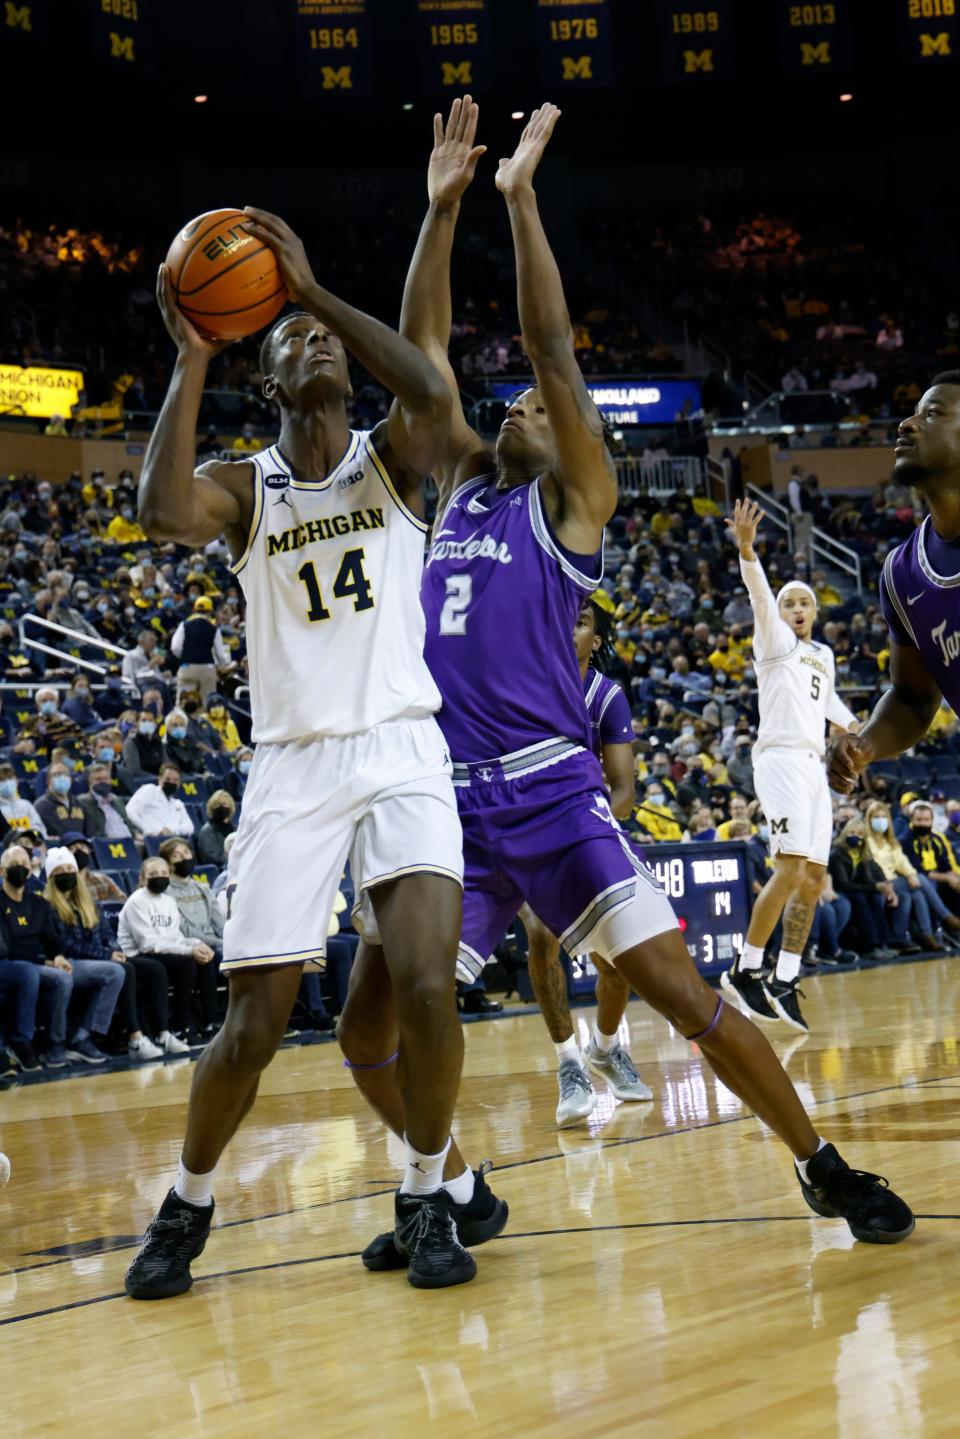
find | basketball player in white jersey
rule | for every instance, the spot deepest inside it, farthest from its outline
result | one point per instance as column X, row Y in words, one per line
column 326, row 531
column 798, row 698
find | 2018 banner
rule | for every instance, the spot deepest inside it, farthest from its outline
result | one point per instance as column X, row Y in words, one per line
column 574, row 39
column 335, row 48
column 929, row 31
column 696, row 39
column 117, row 28
column 814, row 35
column 454, row 38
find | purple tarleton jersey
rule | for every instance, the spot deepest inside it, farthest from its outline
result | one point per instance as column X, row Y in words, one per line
column 608, row 711
column 920, row 599
column 501, row 597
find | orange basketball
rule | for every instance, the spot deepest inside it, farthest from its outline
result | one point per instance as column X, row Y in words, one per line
column 225, row 281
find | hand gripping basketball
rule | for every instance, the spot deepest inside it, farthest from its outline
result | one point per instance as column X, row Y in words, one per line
column 288, row 248
column 187, row 338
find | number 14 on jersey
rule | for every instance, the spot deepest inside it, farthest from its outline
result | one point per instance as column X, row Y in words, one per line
column 351, row 583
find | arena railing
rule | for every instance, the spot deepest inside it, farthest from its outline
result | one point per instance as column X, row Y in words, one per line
column 676, row 474
column 77, row 637
column 832, row 552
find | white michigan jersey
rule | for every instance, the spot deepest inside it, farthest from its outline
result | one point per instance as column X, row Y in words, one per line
column 795, row 678
column 331, row 576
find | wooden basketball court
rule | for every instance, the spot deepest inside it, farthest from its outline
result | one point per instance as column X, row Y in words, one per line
column 659, row 1274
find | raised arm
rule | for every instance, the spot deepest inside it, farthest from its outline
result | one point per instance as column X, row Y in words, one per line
column 901, row 718
column 426, row 315
column 174, row 501
column 581, row 486
column 771, row 637
column 414, row 435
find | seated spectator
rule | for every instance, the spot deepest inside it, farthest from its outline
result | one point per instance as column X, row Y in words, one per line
column 181, row 749
column 100, row 885
column 102, row 811
column 857, row 877
column 655, row 817
column 740, row 766
column 140, row 665
column 246, row 442
column 200, row 918
column 740, row 809
column 124, row 529
column 58, row 809
column 934, row 861
column 87, row 939
column 49, row 726
column 830, row 919
column 212, row 837
column 33, row 936
column 155, row 809
column 143, row 749
column 222, row 723
column 701, row 826
column 149, row 928
column 884, row 849
column 17, row 813
column 78, row 706
column 20, row 988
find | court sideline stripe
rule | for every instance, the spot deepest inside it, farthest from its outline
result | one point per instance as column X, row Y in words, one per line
column 520, row 1164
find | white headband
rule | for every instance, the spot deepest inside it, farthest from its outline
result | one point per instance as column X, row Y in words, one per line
column 796, row 585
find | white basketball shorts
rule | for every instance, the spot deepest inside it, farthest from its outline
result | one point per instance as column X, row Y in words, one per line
column 791, row 785
column 383, row 799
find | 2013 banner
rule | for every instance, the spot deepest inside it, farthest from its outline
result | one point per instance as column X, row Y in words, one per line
column 696, row 39
column 117, row 28
column 454, row 38
column 574, row 40
column 929, row 31
column 814, row 35
column 334, row 48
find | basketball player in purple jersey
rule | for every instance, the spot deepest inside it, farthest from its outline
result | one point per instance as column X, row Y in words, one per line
column 919, row 592
column 516, row 548
column 611, row 739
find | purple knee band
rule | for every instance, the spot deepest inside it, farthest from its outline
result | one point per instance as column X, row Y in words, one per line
column 349, row 1064
column 712, row 1025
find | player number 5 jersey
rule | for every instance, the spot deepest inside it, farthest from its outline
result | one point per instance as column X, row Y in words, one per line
column 331, row 576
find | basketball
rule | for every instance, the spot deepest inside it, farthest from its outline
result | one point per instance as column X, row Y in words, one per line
column 225, row 281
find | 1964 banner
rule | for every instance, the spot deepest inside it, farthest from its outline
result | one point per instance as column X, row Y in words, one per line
column 335, row 48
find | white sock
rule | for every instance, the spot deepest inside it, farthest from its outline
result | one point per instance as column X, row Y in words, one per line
column 606, row 1042
column 194, row 1188
column 568, row 1049
column 750, row 957
column 802, row 1163
column 788, row 966
column 424, row 1172
column 460, row 1189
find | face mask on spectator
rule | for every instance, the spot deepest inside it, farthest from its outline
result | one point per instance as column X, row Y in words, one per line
column 217, row 712
column 147, row 727
column 17, row 875
column 105, row 754
column 921, row 829
column 82, row 858
column 103, row 788
column 220, row 815
column 879, row 824
column 199, row 567
column 48, row 707
column 157, row 883
column 8, row 788
column 244, row 766
column 687, row 731
column 190, row 707
column 853, row 841
column 177, row 731
column 61, row 783
column 706, row 603
column 103, row 606
column 657, row 672
column 763, row 830
column 661, row 768
column 654, row 797
column 170, row 786
column 182, row 868
column 953, row 818
column 65, row 882
column 127, row 512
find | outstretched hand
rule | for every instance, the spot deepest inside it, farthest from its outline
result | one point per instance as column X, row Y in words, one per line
column 288, row 248
column 743, row 524
column 847, row 758
column 454, row 159
column 517, row 172
column 187, row 338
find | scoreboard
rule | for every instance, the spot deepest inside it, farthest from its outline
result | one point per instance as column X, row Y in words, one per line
column 709, row 888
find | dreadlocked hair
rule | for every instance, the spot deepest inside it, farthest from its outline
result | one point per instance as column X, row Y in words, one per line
column 601, row 607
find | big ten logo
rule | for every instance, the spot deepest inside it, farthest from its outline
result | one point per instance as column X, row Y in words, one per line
column 230, row 239
column 459, row 73
column 121, row 47
column 579, row 68
column 17, row 17
column 697, row 60
column 815, row 54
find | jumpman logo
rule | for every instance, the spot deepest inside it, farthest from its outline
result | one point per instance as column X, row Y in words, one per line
column 283, row 500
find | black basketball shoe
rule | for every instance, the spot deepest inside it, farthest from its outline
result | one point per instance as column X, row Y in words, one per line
column 745, row 988
column 174, row 1239
column 873, row 1212
column 481, row 1218
column 784, row 997
column 426, row 1233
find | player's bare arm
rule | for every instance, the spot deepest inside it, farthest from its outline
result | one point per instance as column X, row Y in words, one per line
column 427, row 312
column 413, row 437
column 618, row 769
column 901, row 718
column 580, row 488
column 175, row 502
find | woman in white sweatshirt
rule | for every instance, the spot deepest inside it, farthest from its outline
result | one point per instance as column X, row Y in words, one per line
column 149, row 930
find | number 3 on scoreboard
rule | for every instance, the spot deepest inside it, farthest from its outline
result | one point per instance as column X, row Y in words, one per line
column 453, row 616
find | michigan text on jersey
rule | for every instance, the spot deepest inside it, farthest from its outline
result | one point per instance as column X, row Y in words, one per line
column 332, row 528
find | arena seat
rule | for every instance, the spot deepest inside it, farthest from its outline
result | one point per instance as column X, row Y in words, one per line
column 915, row 770
column 194, row 788
column 205, row 873
column 112, row 855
